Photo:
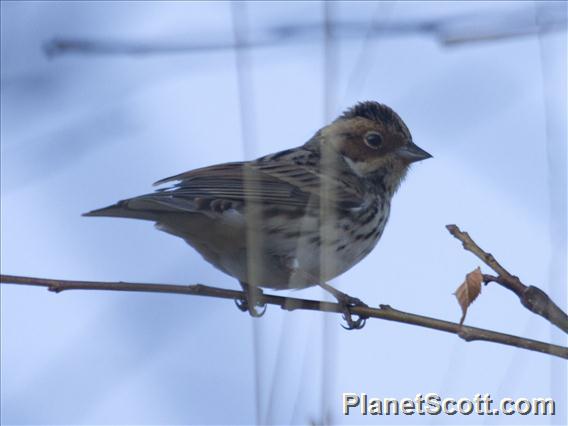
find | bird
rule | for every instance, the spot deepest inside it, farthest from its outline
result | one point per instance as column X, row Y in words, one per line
column 295, row 218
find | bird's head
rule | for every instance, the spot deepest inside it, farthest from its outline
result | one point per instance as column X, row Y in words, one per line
column 372, row 139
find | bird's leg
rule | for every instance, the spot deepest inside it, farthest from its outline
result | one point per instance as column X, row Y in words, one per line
column 347, row 302
column 252, row 298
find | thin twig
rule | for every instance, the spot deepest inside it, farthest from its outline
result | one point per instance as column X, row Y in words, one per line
column 290, row 303
column 531, row 297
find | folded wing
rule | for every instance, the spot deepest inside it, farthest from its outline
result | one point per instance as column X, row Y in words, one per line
column 282, row 183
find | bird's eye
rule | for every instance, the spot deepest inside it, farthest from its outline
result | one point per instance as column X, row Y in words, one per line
column 373, row 140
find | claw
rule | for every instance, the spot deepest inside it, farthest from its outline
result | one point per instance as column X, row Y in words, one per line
column 352, row 324
column 244, row 304
column 347, row 302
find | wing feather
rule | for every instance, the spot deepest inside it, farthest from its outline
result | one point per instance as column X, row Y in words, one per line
column 275, row 181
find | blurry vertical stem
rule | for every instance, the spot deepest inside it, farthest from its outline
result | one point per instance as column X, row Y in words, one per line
column 326, row 209
column 246, row 113
column 364, row 62
column 244, row 78
column 329, row 63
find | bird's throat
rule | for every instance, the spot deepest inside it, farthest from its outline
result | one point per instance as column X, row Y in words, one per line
column 386, row 180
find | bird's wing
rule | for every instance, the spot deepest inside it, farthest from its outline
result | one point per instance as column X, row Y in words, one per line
column 278, row 181
column 269, row 182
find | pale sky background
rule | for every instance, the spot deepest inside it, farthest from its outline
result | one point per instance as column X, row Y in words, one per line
column 80, row 132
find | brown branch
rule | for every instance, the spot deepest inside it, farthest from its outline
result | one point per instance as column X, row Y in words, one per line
column 290, row 303
column 531, row 297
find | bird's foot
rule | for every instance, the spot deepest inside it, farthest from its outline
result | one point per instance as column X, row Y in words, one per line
column 251, row 301
column 347, row 303
column 351, row 302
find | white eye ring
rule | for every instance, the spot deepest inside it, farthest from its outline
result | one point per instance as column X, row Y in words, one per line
column 373, row 140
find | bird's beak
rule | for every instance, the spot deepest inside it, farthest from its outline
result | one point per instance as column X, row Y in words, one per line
column 412, row 152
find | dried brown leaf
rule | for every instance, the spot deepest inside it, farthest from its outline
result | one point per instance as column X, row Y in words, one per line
column 468, row 291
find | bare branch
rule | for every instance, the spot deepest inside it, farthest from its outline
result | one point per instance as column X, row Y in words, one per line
column 290, row 303
column 450, row 31
column 532, row 298
column 60, row 46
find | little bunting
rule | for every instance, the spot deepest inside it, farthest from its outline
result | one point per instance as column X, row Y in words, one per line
column 293, row 219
